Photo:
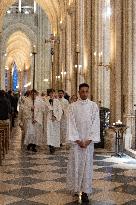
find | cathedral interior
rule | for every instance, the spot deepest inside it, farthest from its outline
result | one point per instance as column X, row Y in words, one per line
column 60, row 44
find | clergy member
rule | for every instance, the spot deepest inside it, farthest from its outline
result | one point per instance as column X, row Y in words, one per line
column 53, row 121
column 34, row 128
column 83, row 132
column 63, row 123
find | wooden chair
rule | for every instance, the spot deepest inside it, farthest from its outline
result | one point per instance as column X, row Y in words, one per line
column 4, row 140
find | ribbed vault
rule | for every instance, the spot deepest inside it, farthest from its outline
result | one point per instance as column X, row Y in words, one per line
column 18, row 49
column 55, row 9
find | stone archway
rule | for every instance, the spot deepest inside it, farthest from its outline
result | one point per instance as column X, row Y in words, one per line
column 9, row 31
column 55, row 10
column 18, row 27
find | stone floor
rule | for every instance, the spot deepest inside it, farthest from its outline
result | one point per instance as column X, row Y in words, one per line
column 39, row 179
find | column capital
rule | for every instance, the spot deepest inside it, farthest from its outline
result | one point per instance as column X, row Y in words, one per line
column 71, row 9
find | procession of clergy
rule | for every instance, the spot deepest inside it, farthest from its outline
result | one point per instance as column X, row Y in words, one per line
column 51, row 120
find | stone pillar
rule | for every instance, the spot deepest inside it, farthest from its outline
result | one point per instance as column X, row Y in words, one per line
column 69, row 55
column 95, row 27
column 127, row 89
column 43, row 57
column 71, row 11
column 134, row 50
column 105, row 48
column 0, row 62
column 63, row 49
column 116, row 59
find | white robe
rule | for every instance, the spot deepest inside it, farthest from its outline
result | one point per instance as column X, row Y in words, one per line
column 63, row 123
column 34, row 132
column 24, row 112
column 83, row 124
column 53, row 127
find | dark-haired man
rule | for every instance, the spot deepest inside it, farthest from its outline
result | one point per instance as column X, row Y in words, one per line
column 83, row 132
column 5, row 107
column 63, row 123
column 53, row 121
column 34, row 128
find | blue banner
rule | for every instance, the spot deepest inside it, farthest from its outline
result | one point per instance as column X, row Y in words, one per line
column 15, row 77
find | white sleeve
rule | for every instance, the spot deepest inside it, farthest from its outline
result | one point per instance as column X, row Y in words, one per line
column 57, row 110
column 72, row 132
column 95, row 127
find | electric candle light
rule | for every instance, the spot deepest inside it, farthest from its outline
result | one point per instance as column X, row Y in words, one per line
column 118, row 122
column 52, row 58
column 34, row 49
column 100, row 57
column 77, row 48
column 95, row 56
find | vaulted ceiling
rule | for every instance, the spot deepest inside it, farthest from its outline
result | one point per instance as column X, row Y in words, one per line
column 55, row 9
column 18, row 50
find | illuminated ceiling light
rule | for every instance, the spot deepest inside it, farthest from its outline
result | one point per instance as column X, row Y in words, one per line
column 8, row 11
column 45, row 80
column 31, row 54
column 5, row 54
column 58, row 77
column 28, row 84
column 108, row 12
column 94, row 53
column 26, row 12
column 63, row 73
column 61, row 22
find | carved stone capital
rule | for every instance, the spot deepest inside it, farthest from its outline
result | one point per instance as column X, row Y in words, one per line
column 71, row 9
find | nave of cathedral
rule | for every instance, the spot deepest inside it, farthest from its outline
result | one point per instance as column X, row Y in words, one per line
column 40, row 179
column 48, row 48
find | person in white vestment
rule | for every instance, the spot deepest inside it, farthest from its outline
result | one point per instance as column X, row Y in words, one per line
column 63, row 123
column 83, row 131
column 53, row 121
column 34, row 128
column 24, row 113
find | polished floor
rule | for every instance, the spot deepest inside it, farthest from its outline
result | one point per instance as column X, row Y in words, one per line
column 40, row 178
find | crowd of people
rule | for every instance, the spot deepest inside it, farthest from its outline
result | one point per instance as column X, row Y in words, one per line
column 43, row 120
column 8, row 106
column 56, row 119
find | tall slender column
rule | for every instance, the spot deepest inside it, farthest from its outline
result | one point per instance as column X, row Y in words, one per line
column 128, row 116
column 69, row 55
column 116, row 59
column 134, row 51
column 73, row 49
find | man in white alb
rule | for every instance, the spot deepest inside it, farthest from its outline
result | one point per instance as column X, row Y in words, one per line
column 83, row 132
column 63, row 123
column 34, row 122
column 53, row 121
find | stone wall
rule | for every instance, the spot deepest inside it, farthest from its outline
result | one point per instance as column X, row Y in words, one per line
column 37, row 28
